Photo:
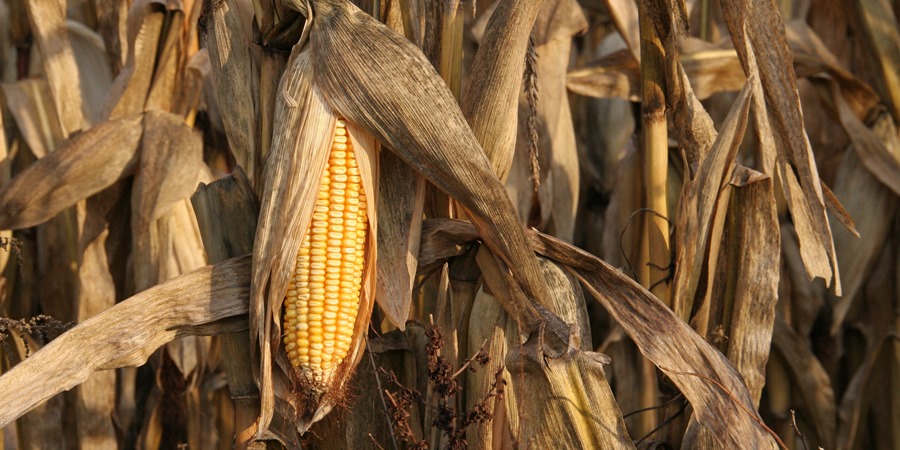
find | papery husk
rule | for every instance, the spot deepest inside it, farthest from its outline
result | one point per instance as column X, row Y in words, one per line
column 293, row 173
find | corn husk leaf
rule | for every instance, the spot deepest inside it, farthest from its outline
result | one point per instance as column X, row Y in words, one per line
column 425, row 128
column 206, row 301
column 80, row 168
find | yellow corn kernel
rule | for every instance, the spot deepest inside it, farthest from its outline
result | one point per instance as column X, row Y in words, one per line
column 322, row 301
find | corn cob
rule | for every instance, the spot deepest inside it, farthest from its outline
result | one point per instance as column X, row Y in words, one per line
column 322, row 299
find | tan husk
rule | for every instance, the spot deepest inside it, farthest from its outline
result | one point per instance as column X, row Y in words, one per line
column 293, row 171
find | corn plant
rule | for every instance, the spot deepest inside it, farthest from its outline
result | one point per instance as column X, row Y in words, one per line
column 487, row 224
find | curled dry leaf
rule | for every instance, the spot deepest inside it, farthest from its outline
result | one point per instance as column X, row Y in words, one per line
column 208, row 300
column 759, row 38
column 697, row 206
column 81, row 167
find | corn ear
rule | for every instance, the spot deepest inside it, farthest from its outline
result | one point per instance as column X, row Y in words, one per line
column 292, row 180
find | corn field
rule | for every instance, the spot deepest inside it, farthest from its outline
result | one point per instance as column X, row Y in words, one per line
column 449, row 224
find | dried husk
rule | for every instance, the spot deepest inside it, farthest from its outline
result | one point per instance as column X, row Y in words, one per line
column 401, row 201
column 291, row 180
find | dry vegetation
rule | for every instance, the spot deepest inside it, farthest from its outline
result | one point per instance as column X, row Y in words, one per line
column 600, row 223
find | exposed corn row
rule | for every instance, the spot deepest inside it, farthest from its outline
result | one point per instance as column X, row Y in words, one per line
column 322, row 300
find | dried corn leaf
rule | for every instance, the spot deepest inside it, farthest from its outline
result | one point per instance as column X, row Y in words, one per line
column 171, row 161
column 490, row 100
column 95, row 77
column 490, row 329
column 812, row 380
column 759, row 38
column 715, row 389
column 882, row 160
column 32, row 109
column 47, row 20
column 80, row 168
column 425, row 128
column 566, row 402
column 869, row 200
column 613, row 76
column 401, row 201
column 697, row 206
column 624, row 14
column 101, row 229
column 879, row 24
column 165, row 91
column 206, row 301
column 558, row 193
column 563, row 401
column 129, row 90
column 230, row 59
column 746, row 287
